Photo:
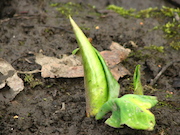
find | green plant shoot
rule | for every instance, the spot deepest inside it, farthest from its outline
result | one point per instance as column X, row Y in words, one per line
column 131, row 109
column 100, row 85
column 138, row 89
column 102, row 91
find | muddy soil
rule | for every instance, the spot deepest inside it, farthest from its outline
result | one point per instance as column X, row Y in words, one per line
column 57, row 106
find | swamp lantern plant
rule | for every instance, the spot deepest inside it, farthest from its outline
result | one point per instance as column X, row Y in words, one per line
column 131, row 109
column 102, row 91
column 100, row 85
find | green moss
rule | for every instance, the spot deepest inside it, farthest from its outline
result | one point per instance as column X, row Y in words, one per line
column 29, row 78
column 175, row 45
column 163, row 104
column 71, row 8
column 21, row 43
column 156, row 27
column 146, row 13
column 121, row 10
column 170, row 29
column 50, row 85
column 54, row 4
column 167, row 104
column 170, row 12
column 155, row 12
column 48, row 30
column 68, row 8
column 172, row 33
column 146, row 53
column 139, row 55
column 154, row 47
column 169, row 96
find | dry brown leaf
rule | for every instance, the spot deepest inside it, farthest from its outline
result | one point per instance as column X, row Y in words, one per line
column 119, row 71
column 117, row 54
column 9, row 76
column 123, row 52
column 71, row 66
column 68, row 66
column 2, row 84
column 111, row 57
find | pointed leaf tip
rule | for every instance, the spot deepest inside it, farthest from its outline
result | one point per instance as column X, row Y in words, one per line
column 95, row 79
column 138, row 88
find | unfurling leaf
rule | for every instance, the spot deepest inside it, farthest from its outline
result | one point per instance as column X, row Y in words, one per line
column 94, row 77
column 100, row 85
column 102, row 91
column 138, row 88
column 131, row 110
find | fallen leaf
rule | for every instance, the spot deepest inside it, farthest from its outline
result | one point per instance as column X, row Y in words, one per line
column 71, row 66
column 67, row 67
column 120, row 50
column 2, row 84
column 9, row 76
column 119, row 71
column 111, row 57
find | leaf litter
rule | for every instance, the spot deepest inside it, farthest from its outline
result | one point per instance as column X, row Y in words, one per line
column 9, row 77
column 71, row 66
column 68, row 67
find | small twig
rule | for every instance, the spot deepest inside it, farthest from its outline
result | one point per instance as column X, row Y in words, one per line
column 27, row 60
column 161, row 72
column 63, row 106
column 29, row 72
column 19, row 16
column 133, row 44
column 4, row 20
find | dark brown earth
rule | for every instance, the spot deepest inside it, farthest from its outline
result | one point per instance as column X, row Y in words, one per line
column 33, row 25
